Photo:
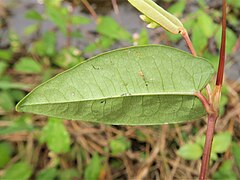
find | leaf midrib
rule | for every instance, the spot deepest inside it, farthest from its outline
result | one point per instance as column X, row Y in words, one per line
column 113, row 97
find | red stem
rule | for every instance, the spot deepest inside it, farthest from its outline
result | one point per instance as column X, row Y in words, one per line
column 205, row 102
column 223, row 44
column 188, row 41
column 212, row 118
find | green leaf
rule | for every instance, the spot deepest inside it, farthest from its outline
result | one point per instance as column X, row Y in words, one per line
column 68, row 57
column 79, row 20
column 231, row 39
column 91, row 47
column 204, row 22
column 119, row 145
column 143, row 38
column 53, row 2
column 49, row 43
column 213, row 156
column 45, row 174
column 5, row 55
column 110, row 28
column 31, row 29
column 102, row 43
column 34, row 15
column 28, row 65
column 201, row 142
column 58, row 16
column 56, row 136
column 232, row 19
column 92, row 170
column 45, row 46
column 142, row 85
column 15, row 43
column 236, row 153
column 198, row 38
column 6, row 151
column 3, row 67
column 211, row 58
column 116, row 164
column 6, row 101
column 20, row 125
column 234, row 3
column 190, row 151
column 17, row 94
column 202, row 3
column 68, row 174
column 177, row 8
column 76, row 34
column 173, row 37
column 157, row 16
column 140, row 135
column 225, row 172
column 20, row 171
column 5, row 85
column 221, row 142
column 190, row 21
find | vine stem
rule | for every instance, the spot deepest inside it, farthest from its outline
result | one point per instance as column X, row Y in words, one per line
column 223, row 45
column 212, row 117
column 211, row 104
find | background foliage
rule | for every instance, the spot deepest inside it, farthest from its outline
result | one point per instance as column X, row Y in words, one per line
column 59, row 34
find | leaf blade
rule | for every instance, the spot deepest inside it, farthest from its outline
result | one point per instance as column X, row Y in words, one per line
column 158, row 15
column 146, row 84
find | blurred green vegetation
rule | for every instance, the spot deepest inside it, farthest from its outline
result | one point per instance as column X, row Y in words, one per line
column 41, row 148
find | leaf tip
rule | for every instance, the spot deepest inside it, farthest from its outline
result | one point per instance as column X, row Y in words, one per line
column 19, row 106
column 156, row 16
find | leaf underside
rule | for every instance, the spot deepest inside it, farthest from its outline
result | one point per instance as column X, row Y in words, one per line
column 143, row 85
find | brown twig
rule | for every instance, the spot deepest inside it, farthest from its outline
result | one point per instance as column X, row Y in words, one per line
column 90, row 9
column 115, row 6
column 142, row 173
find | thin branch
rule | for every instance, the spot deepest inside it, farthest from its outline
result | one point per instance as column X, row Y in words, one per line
column 90, row 9
column 115, row 6
column 185, row 35
column 223, row 45
column 143, row 171
column 205, row 102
